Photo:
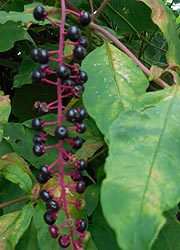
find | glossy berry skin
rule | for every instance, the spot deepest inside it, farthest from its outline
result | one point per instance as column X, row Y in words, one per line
column 63, row 72
column 61, row 133
column 45, row 195
column 77, row 143
column 82, row 164
column 49, row 219
column 83, row 77
column 74, row 33
column 38, row 149
column 36, row 76
column 37, row 123
column 42, row 56
column 72, row 115
column 81, row 225
column 54, row 231
column 80, row 187
column 82, row 114
column 85, row 18
column 83, row 41
column 44, row 171
column 80, row 128
column 64, row 241
column 34, row 54
column 52, row 206
column 80, row 52
column 39, row 13
column 38, row 139
column 41, row 179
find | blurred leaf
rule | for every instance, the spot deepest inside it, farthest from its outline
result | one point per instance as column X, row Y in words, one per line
column 25, row 97
column 142, row 172
column 168, row 239
column 13, row 226
column 102, row 234
column 115, row 86
column 166, row 21
column 11, row 32
column 92, row 198
column 16, row 170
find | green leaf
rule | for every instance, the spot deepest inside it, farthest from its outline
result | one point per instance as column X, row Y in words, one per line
column 142, row 172
column 92, row 198
column 168, row 239
column 166, row 21
column 16, row 170
column 13, row 226
column 129, row 16
column 102, row 234
column 11, row 32
column 5, row 109
column 114, row 84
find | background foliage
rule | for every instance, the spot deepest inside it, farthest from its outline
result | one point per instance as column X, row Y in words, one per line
column 132, row 143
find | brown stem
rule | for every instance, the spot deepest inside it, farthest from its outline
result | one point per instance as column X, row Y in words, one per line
column 121, row 46
column 8, row 203
column 101, row 7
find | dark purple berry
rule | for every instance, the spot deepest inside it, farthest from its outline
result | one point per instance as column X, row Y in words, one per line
column 83, row 77
column 80, row 52
column 76, row 175
column 80, row 187
column 38, row 139
column 74, row 33
column 83, row 41
column 37, row 123
column 78, row 91
column 63, row 72
column 39, row 13
column 82, row 164
column 45, row 195
column 36, row 76
column 49, row 219
column 80, row 128
column 42, row 56
column 38, row 149
column 34, row 54
column 54, row 231
column 52, row 206
column 81, row 225
column 82, row 114
column 61, row 133
column 64, row 241
column 44, row 171
column 85, row 18
column 76, row 143
column 72, row 115
column 41, row 178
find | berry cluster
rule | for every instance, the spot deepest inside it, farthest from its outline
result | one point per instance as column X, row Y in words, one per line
column 69, row 82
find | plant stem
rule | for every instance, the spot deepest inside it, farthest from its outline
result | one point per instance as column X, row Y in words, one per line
column 101, row 7
column 8, row 203
column 121, row 46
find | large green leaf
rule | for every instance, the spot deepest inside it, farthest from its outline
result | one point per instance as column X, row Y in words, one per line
column 143, row 172
column 16, row 170
column 128, row 15
column 13, row 226
column 115, row 82
column 11, row 32
column 165, row 19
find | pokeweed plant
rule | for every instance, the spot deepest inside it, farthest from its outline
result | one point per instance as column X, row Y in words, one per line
column 104, row 125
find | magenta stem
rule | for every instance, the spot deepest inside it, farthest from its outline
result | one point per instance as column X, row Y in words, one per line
column 48, row 81
column 53, row 22
column 72, row 12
